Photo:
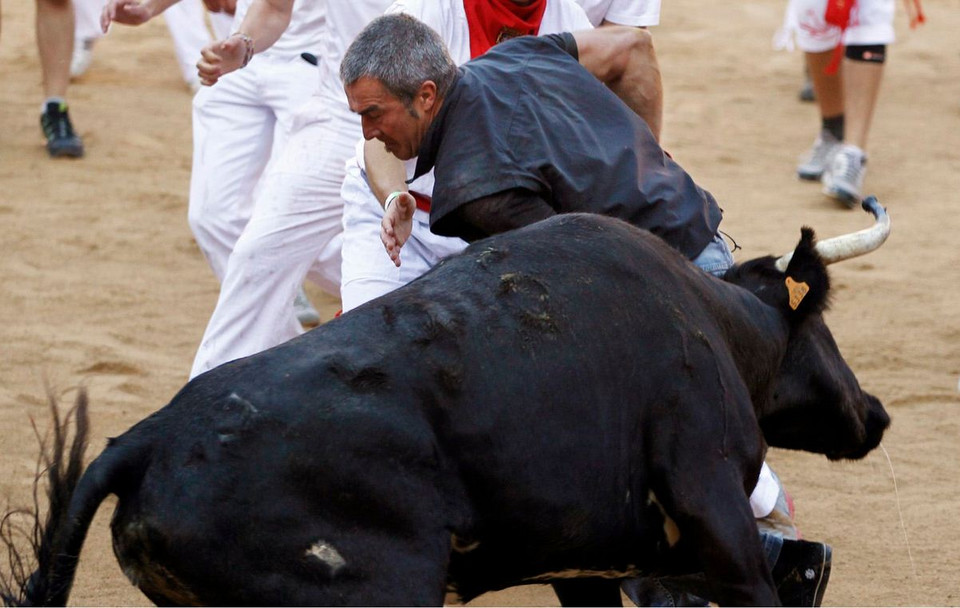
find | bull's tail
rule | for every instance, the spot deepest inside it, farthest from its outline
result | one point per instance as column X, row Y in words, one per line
column 44, row 577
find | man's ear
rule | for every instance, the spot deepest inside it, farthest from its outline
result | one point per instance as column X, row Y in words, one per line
column 427, row 95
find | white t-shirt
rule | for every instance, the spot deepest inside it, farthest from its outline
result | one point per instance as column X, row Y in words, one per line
column 345, row 19
column 638, row 13
column 307, row 24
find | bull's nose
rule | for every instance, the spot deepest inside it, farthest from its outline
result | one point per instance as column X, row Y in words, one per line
column 875, row 423
column 877, row 420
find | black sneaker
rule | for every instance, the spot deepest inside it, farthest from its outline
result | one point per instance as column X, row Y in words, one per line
column 801, row 572
column 61, row 140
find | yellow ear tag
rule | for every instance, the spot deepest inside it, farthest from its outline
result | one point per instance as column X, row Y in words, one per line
column 797, row 291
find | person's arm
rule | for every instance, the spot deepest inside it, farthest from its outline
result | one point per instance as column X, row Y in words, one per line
column 385, row 172
column 387, row 178
column 262, row 26
column 496, row 213
column 623, row 58
column 132, row 12
column 475, row 220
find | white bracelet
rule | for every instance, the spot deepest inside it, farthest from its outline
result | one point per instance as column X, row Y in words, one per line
column 391, row 198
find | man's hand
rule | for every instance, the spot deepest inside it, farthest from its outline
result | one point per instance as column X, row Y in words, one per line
column 127, row 12
column 219, row 58
column 397, row 223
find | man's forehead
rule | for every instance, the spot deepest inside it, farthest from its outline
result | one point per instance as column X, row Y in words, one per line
column 368, row 89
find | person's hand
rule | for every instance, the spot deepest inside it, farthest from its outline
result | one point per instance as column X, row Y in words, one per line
column 397, row 223
column 127, row 12
column 914, row 12
column 221, row 6
column 222, row 57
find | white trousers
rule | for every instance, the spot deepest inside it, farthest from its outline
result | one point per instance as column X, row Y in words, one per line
column 368, row 272
column 295, row 228
column 87, row 19
column 237, row 123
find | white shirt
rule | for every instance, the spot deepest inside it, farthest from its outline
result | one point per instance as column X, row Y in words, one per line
column 345, row 19
column 638, row 13
column 307, row 24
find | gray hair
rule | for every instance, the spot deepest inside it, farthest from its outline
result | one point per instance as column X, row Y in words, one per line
column 402, row 53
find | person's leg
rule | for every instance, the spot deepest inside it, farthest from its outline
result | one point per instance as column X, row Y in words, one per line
column 296, row 221
column 86, row 32
column 222, row 24
column 864, row 57
column 827, row 87
column 828, row 90
column 55, row 29
column 232, row 139
column 715, row 258
column 818, row 40
column 843, row 179
column 861, row 87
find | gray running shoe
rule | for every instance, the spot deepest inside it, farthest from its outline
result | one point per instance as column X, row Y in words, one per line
column 844, row 177
column 816, row 161
column 306, row 313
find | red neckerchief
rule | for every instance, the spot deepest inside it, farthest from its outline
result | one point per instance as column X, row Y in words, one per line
column 493, row 21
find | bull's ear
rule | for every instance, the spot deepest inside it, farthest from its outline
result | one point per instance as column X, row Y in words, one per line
column 806, row 282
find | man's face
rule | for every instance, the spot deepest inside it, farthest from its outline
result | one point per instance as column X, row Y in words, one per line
column 384, row 117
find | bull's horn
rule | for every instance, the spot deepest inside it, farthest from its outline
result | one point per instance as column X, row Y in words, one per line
column 851, row 245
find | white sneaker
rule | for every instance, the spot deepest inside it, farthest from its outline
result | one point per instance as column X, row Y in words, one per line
column 82, row 57
column 306, row 313
column 818, row 158
column 844, row 177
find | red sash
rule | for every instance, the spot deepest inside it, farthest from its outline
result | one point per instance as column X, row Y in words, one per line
column 838, row 14
column 493, row 21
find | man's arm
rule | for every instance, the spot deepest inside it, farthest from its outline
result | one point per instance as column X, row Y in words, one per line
column 623, row 58
column 386, row 176
column 262, row 26
column 385, row 172
column 472, row 221
column 132, row 12
column 490, row 215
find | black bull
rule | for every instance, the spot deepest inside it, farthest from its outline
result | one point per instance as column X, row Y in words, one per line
column 564, row 400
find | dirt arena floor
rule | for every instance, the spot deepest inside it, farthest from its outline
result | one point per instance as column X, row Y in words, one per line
column 102, row 286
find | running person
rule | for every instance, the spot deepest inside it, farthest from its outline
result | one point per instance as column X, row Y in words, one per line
column 238, row 123
column 846, row 94
column 296, row 224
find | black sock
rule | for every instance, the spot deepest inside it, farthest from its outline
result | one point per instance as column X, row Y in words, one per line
column 834, row 124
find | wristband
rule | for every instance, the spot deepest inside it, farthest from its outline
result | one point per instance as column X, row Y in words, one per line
column 393, row 196
column 248, row 43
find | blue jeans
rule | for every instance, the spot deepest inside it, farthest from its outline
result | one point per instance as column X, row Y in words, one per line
column 715, row 258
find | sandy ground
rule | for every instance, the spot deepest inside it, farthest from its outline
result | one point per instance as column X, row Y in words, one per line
column 102, row 286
